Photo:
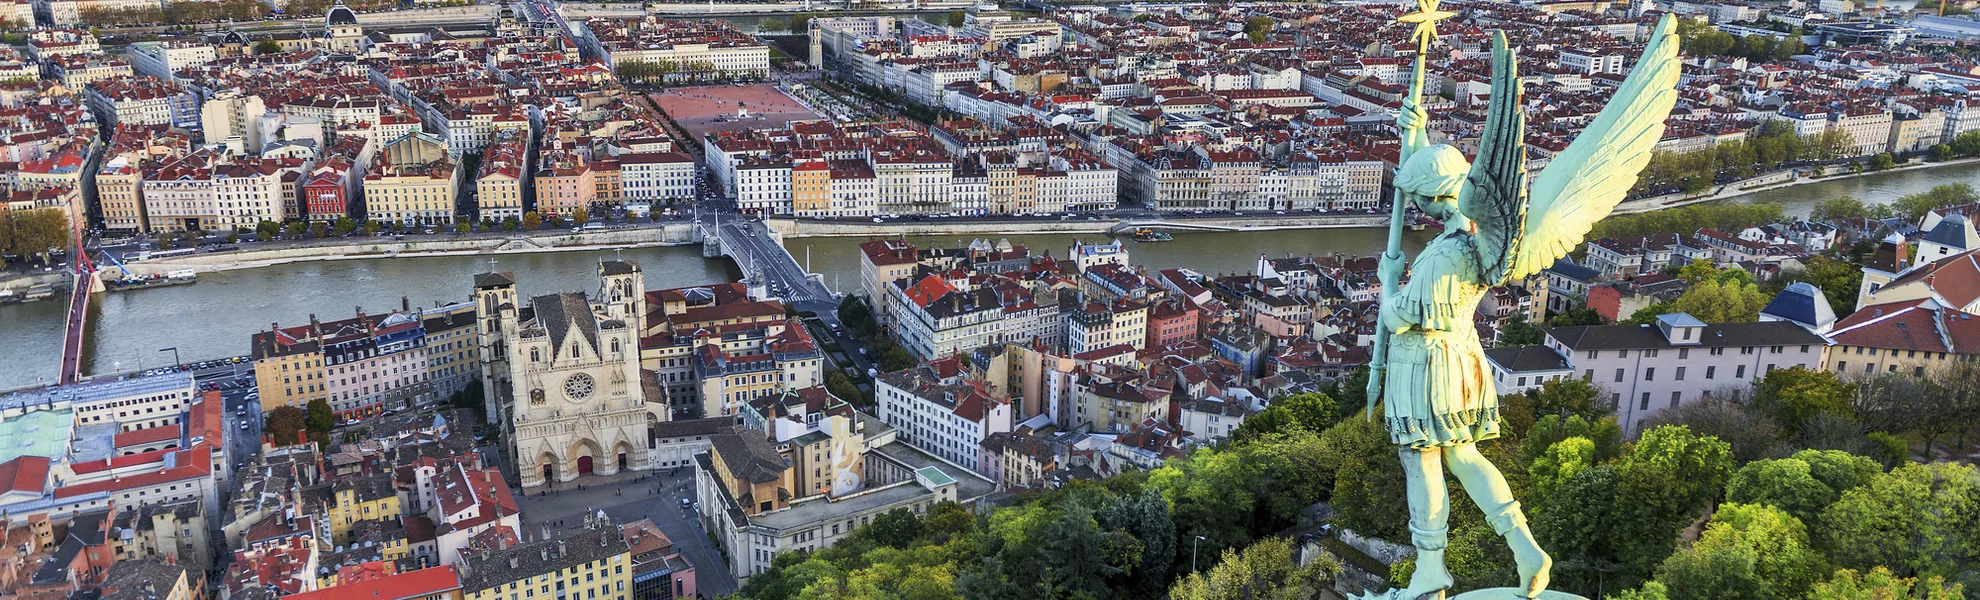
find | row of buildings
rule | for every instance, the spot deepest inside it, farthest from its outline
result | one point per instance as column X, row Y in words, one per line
column 346, row 123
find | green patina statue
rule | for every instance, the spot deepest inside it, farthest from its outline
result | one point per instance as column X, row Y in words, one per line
column 1429, row 369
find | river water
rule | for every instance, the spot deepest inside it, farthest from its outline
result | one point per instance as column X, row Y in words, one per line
column 214, row 318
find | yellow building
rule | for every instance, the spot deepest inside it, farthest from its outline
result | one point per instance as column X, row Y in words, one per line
column 354, row 499
column 287, row 371
column 1913, row 337
column 1117, row 406
column 592, row 562
column 414, row 194
column 811, row 189
column 117, row 189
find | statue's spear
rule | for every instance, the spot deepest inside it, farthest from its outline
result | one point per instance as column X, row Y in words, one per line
column 1425, row 18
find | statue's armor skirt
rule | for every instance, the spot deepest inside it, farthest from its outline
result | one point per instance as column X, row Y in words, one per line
column 1439, row 390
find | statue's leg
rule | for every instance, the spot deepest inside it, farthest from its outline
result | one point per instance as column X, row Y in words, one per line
column 1488, row 489
column 1429, row 520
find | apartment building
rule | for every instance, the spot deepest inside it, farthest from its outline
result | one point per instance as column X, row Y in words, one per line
column 654, row 177
column 1909, row 337
column 941, row 415
column 1645, row 369
column 361, row 366
column 503, row 175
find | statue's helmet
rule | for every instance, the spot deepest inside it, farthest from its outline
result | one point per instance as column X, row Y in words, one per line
column 1432, row 176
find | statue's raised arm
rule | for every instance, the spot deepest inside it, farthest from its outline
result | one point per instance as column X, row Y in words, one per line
column 1582, row 184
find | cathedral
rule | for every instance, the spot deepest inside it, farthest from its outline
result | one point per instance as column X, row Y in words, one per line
column 563, row 378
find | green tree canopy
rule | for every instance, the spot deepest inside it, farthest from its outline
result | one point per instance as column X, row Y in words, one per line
column 1918, row 520
column 1881, row 584
column 1263, row 571
column 1312, row 412
column 1747, row 552
column 1793, row 396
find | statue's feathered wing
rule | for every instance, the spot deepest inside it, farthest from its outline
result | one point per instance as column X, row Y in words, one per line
column 1582, row 184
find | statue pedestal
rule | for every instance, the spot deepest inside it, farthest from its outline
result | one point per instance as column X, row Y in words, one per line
column 1513, row 594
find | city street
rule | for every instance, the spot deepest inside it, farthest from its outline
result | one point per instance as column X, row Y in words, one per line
column 657, row 497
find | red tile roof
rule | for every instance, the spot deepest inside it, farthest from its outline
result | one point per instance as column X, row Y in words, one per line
column 24, row 474
column 415, row 584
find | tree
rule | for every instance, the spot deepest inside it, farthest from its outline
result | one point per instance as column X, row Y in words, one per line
column 1838, row 280
column 891, row 357
column 1837, row 208
column 1648, row 314
column 1610, row 525
column 1803, row 484
column 957, row 18
column 344, row 225
column 1551, row 429
column 1941, row 152
column 295, row 228
column 1967, row 143
column 1796, row 395
column 1144, row 516
column 282, row 424
column 1314, row 412
column 1747, row 552
column 1571, row 397
column 1265, row 570
column 580, row 216
column 843, row 388
column 1518, row 332
column 1918, row 520
column 857, row 317
column 1881, row 584
column 1367, row 479
column 1257, row 27
column 1714, row 301
column 531, row 220
column 510, row 223
column 1750, row 433
column 1914, row 206
column 1881, row 162
column 895, row 528
column 462, row 227
column 321, row 418
column 267, row 47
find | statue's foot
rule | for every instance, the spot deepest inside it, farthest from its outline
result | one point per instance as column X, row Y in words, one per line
column 1533, row 563
column 1430, row 579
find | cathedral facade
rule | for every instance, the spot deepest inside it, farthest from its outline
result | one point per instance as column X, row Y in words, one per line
column 563, row 376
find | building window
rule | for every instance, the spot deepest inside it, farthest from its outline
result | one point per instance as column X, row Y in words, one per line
column 1644, row 404
column 1650, row 374
column 1739, row 372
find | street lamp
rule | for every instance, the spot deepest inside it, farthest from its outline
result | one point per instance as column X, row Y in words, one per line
column 175, row 355
column 1192, row 553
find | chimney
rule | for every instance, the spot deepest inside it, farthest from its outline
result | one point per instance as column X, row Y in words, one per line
column 405, row 304
column 561, row 551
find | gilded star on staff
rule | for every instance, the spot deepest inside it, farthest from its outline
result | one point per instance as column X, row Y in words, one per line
column 1425, row 18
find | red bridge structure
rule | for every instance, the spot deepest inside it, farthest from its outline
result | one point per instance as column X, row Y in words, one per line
column 78, row 318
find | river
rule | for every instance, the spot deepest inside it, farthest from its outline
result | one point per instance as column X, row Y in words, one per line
column 214, row 318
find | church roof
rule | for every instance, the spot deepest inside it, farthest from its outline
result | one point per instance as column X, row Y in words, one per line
column 557, row 313
column 340, row 15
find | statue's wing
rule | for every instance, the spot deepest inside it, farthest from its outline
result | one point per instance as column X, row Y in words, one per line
column 1584, row 183
column 1494, row 193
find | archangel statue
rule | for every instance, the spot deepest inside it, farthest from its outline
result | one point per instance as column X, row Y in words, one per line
column 1432, row 375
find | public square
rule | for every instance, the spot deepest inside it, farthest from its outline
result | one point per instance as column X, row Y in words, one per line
column 700, row 110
